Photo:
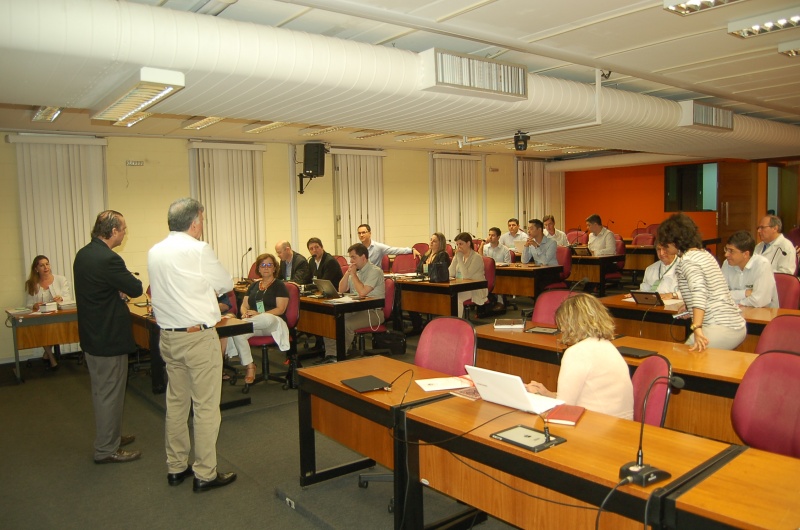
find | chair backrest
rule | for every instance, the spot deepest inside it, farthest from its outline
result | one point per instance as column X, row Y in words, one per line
column 342, row 261
column 476, row 244
column 578, row 236
column 404, row 263
column 788, row 290
column 234, row 310
column 388, row 301
column 446, row 345
column 781, row 334
column 512, row 255
column 422, row 248
column 794, row 236
column 617, row 237
column 643, row 239
column 253, row 273
column 293, row 309
column 489, row 271
column 449, row 249
column 637, row 231
column 653, row 229
column 385, row 263
column 620, row 250
column 544, row 310
column 564, row 258
column 766, row 408
column 652, row 367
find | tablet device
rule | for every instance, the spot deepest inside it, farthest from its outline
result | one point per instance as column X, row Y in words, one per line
column 647, row 298
column 527, row 438
column 366, row 383
column 635, row 352
column 581, row 251
column 546, row 331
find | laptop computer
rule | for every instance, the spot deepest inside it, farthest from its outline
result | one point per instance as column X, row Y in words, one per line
column 581, row 251
column 519, row 246
column 326, row 288
column 508, row 390
column 647, row 298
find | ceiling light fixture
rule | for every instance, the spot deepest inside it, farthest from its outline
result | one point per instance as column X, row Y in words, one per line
column 212, row 7
column 316, row 130
column 695, row 6
column 413, row 137
column 260, row 127
column 130, row 121
column 202, row 123
column 792, row 49
column 47, row 114
column 144, row 89
column 369, row 133
column 767, row 23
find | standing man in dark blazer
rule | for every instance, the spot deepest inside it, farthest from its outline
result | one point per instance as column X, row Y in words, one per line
column 104, row 323
column 294, row 267
column 324, row 266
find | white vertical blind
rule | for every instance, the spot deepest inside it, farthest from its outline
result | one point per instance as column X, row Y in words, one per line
column 539, row 192
column 229, row 183
column 358, row 184
column 456, row 195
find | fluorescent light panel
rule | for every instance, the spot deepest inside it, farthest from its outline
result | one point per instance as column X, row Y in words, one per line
column 260, row 127
column 695, row 6
column 48, row 114
column 792, row 49
column 316, row 130
column 202, row 123
column 767, row 23
column 369, row 133
column 138, row 93
column 130, row 121
column 413, row 137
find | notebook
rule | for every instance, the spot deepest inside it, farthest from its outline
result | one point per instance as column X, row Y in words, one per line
column 366, row 383
column 508, row 390
column 326, row 288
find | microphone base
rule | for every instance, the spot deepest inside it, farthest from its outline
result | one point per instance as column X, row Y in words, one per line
column 643, row 475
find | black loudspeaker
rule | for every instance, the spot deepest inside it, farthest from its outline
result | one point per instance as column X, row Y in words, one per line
column 314, row 159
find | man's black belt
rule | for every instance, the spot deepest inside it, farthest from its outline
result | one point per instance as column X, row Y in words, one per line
column 193, row 329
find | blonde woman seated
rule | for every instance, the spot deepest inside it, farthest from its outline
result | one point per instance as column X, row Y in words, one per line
column 593, row 374
column 468, row 264
column 41, row 287
column 264, row 305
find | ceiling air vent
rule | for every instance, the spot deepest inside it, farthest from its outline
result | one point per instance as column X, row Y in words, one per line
column 467, row 75
column 701, row 116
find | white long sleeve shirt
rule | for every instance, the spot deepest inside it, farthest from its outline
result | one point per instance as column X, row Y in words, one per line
column 603, row 244
column 757, row 275
column 778, row 261
column 660, row 278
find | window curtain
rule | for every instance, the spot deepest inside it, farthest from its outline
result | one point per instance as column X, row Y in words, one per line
column 358, row 185
column 62, row 188
column 228, row 180
column 456, row 194
column 539, row 192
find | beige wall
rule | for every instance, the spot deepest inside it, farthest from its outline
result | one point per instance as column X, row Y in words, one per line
column 500, row 192
column 13, row 272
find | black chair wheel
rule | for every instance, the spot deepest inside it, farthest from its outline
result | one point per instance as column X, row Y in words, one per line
column 232, row 381
column 286, row 386
column 391, row 506
column 363, row 484
column 246, row 389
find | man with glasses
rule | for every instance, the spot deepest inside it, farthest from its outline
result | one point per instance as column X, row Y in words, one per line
column 294, row 267
column 378, row 250
column 749, row 276
column 775, row 247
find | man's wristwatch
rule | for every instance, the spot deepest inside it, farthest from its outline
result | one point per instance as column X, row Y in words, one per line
column 695, row 326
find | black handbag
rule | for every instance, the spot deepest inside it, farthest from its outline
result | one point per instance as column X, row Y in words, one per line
column 439, row 272
column 393, row 341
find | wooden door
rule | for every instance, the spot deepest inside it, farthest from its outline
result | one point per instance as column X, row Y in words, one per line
column 737, row 200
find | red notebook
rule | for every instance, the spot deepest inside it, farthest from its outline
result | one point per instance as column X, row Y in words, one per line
column 565, row 414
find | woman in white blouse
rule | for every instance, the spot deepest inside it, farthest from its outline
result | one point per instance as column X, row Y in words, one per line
column 593, row 373
column 41, row 287
column 468, row 265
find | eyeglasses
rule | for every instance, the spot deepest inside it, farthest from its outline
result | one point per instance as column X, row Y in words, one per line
column 763, row 227
column 266, row 265
column 731, row 250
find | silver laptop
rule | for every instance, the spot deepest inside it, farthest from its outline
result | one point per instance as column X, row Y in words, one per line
column 508, row 390
column 326, row 288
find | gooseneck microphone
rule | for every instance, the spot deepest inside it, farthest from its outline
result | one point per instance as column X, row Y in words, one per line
column 638, row 472
column 244, row 274
column 778, row 249
column 582, row 280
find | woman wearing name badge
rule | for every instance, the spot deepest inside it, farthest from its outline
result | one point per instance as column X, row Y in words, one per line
column 437, row 253
column 264, row 305
column 468, row 264
column 593, row 374
column 41, row 287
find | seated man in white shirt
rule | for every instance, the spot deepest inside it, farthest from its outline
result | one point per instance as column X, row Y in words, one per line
column 660, row 276
column 513, row 234
column 601, row 240
column 750, row 277
column 539, row 249
column 775, row 247
column 551, row 231
column 492, row 248
column 378, row 250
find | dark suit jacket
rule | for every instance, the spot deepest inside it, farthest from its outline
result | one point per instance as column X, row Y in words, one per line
column 104, row 321
column 329, row 269
column 300, row 273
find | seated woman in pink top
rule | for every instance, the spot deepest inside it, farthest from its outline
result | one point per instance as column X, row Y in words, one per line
column 593, row 374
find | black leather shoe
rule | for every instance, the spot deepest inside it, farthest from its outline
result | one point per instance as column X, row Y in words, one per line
column 121, row 456
column 223, row 479
column 176, row 479
column 159, row 389
column 126, row 439
column 328, row 359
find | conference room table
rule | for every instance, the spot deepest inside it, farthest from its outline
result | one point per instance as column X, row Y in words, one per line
column 325, row 317
column 451, row 450
column 524, row 279
column 702, row 407
column 434, row 298
column 364, row 422
column 36, row 330
column 595, row 268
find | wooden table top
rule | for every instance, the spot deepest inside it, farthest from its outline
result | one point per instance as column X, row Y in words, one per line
column 64, row 313
column 525, row 268
column 520, row 337
column 618, row 301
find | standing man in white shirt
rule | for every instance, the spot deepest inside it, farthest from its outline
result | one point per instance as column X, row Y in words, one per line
column 750, row 277
column 185, row 279
column 539, row 249
column 378, row 250
column 551, row 231
column 601, row 239
column 775, row 247
column 492, row 248
column 513, row 234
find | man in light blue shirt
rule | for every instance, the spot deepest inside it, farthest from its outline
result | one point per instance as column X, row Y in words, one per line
column 539, row 249
column 378, row 250
column 513, row 234
column 492, row 248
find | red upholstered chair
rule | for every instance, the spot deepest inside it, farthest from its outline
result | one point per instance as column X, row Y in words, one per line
column 766, row 408
column 476, row 244
column 616, row 276
column 544, row 311
column 788, row 291
column 449, row 249
column 512, row 255
column 404, row 263
column 643, row 239
column 343, row 261
column 617, row 236
column 388, row 306
column 637, row 231
column 489, row 271
column 422, row 248
column 794, row 236
column 578, row 237
column 288, row 378
column 253, row 273
column 645, row 375
column 653, row 229
column 564, row 258
column 385, row 263
column 781, row 334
